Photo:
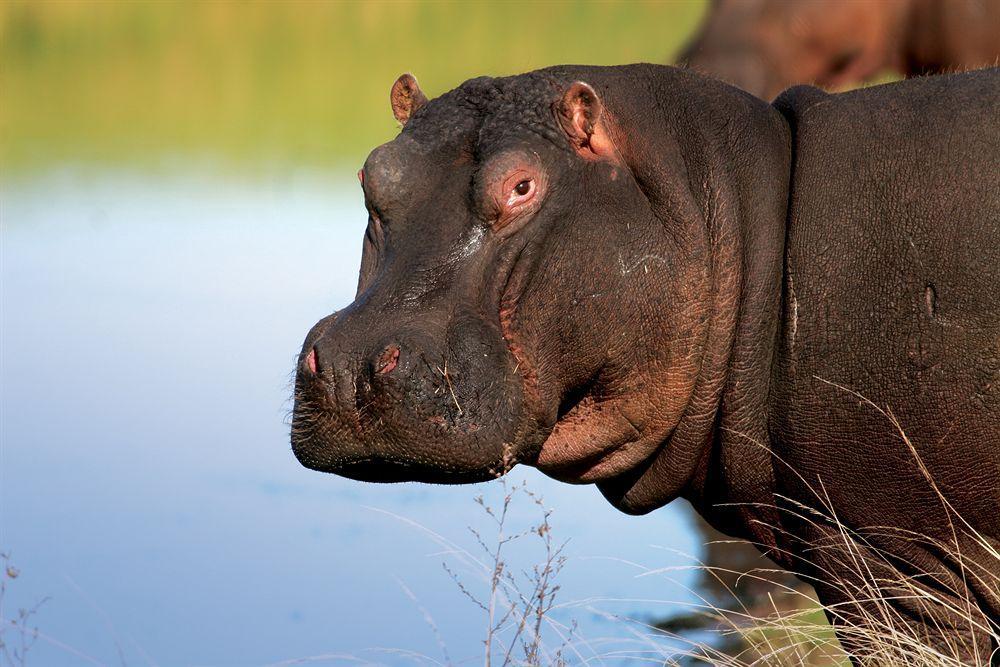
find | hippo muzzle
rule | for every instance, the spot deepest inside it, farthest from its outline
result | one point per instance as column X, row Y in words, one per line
column 425, row 399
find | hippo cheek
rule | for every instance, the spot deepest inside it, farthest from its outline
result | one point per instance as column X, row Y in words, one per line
column 601, row 440
column 604, row 435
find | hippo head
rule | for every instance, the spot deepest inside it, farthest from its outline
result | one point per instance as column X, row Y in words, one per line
column 521, row 299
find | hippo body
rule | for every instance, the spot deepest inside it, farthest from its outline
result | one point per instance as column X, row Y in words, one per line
column 892, row 299
column 644, row 279
column 764, row 46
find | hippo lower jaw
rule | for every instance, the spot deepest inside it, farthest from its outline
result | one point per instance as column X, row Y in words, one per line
column 383, row 471
column 317, row 451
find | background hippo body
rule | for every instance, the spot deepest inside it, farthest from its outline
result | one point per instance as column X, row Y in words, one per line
column 765, row 46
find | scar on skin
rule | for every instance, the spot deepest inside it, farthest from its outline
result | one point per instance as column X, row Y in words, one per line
column 642, row 261
column 795, row 309
column 930, row 300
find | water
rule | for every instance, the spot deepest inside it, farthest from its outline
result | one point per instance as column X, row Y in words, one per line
column 147, row 488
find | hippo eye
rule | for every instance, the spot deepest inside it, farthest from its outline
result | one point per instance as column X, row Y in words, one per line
column 521, row 193
column 516, row 196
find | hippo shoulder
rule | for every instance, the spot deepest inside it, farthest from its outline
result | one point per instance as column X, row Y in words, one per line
column 794, row 102
column 919, row 109
column 892, row 268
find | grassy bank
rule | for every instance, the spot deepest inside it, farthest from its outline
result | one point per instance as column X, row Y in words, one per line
column 116, row 82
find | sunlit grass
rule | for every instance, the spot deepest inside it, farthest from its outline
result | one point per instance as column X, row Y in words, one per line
column 525, row 625
column 788, row 626
column 257, row 82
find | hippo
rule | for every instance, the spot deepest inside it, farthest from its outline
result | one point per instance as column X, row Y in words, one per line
column 765, row 46
column 645, row 279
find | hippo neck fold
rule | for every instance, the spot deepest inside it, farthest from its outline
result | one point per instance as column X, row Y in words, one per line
column 717, row 176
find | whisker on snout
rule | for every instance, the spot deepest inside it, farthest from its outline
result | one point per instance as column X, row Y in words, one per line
column 451, row 388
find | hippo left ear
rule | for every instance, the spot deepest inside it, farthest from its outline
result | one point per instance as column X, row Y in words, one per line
column 580, row 111
column 406, row 98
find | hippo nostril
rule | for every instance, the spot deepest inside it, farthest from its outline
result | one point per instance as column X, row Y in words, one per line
column 311, row 361
column 387, row 360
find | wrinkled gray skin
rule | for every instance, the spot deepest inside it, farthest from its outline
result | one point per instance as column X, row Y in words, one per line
column 765, row 46
column 705, row 297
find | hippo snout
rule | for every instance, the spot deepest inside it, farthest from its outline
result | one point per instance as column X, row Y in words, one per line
column 355, row 378
column 390, row 403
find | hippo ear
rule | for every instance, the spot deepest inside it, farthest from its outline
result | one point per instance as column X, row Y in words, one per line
column 406, row 97
column 581, row 114
column 579, row 111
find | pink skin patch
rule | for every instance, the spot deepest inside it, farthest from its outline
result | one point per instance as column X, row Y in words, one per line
column 311, row 360
column 388, row 360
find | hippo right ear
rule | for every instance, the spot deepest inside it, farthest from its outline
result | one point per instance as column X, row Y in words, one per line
column 579, row 112
column 406, row 98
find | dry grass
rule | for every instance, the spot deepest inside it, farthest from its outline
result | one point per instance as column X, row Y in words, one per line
column 788, row 630
column 17, row 634
column 516, row 603
column 787, row 625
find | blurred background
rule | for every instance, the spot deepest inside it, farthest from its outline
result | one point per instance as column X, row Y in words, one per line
column 276, row 84
column 178, row 206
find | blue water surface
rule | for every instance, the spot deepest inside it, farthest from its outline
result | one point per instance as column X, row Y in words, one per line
column 147, row 489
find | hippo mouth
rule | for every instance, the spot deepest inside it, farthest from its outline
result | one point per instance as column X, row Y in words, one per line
column 388, row 471
column 317, row 454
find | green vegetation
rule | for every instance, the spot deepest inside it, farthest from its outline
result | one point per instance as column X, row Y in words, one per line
column 248, row 83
